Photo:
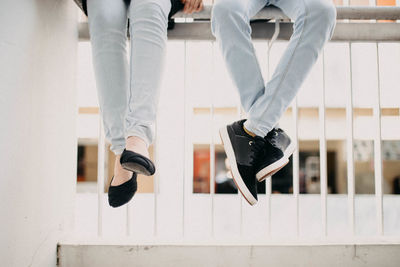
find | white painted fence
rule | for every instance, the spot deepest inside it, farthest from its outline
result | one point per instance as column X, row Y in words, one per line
column 174, row 213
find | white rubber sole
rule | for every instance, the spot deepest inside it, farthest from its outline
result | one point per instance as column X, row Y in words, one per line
column 226, row 141
column 270, row 170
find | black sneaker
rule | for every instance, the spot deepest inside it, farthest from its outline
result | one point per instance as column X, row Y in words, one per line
column 279, row 140
column 119, row 195
column 241, row 150
column 135, row 162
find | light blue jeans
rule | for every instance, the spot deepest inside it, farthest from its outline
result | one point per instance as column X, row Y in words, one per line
column 314, row 21
column 128, row 92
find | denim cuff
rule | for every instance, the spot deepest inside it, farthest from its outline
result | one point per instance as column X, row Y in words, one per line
column 118, row 151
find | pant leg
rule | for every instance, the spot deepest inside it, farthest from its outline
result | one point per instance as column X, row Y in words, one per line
column 148, row 31
column 108, row 26
column 230, row 24
column 314, row 21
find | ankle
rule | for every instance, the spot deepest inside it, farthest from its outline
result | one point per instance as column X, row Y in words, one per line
column 120, row 172
column 138, row 145
column 136, row 141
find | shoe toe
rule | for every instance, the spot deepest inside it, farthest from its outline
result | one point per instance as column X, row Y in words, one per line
column 122, row 194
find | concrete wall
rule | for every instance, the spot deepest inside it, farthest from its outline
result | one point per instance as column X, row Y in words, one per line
column 38, row 43
column 232, row 256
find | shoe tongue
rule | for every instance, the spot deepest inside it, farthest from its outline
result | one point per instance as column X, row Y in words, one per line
column 270, row 134
column 240, row 125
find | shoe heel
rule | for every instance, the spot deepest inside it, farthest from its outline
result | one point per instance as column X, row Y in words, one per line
column 290, row 150
column 261, row 177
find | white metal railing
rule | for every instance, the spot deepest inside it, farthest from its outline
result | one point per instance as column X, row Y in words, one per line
column 187, row 170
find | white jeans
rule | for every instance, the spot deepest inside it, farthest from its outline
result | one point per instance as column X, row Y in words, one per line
column 314, row 21
column 128, row 96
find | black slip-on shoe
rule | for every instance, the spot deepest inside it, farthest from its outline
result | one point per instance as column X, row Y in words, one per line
column 279, row 140
column 135, row 162
column 241, row 150
column 121, row 194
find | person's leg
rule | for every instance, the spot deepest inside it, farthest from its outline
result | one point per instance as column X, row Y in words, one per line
column 148, row 31
column 107, row 26
column 314, row 21
column 230, row 23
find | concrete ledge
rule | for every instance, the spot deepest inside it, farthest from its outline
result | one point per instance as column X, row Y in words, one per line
column 197, row 255
column 348, row 31
column 343, row 12
column 355, row 32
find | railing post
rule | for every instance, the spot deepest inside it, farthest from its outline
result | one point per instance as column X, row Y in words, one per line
column 212, row 168
column 296, row 163
column 185, row 139
column 212, row 143
column 240, row 116
column 350, row 149
column 322, row 152
column 378, row 151
column 156, row 190
column 100, row 177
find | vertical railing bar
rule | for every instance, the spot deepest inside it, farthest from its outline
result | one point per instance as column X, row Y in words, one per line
column 268, row 190
column 106, row 159
column 398, row 4
column 296, row 164
column 346, row 3
column 212, row 144
column 322, row 151
column 240, row 115
column 155, row 188
column 185, row 115
column 128, row 220
column 372, row 3
column 378, row 151
column 350, row 149
column 212, row 168
column 212, row 159
column 268, row 180
column 100, row 178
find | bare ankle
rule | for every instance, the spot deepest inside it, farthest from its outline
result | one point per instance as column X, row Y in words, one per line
column 120, row 172
column 135, row 140
column 138, row 145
